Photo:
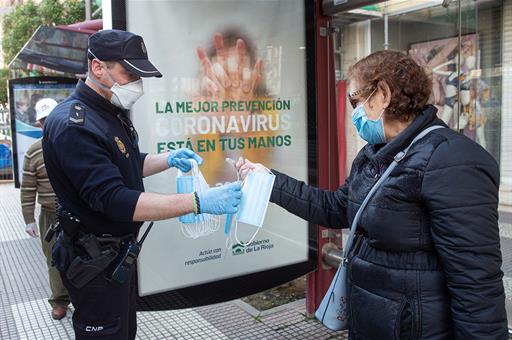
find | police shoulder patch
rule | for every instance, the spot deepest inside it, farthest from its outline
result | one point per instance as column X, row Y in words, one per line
column 77, row 114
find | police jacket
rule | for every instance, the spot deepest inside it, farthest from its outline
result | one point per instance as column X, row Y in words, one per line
column 429, row 263
column 93, row 162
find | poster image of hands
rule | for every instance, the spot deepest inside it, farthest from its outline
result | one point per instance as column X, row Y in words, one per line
column 232, row 86
column 441, row 59
column 236, row 89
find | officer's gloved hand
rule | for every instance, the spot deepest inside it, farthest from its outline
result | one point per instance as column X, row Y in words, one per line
column 221, row 200
column 181, row 159
column 32, row 229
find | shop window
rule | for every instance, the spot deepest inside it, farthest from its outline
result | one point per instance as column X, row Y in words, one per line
column 461, row 47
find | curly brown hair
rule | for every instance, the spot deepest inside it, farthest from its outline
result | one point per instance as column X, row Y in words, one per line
column 408, row 82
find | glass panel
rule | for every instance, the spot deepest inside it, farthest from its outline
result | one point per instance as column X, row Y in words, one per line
column 480, row 86
column 412, row 25
column 430, row 36
column 430, row 33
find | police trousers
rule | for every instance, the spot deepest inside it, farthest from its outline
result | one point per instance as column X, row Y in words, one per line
column 103, row 310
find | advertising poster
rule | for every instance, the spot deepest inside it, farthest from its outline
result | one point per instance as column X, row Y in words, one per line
column 5, row 144
column 234, row 85
column 24, row 94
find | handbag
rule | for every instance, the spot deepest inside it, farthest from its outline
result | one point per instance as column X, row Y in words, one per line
column 333, row 310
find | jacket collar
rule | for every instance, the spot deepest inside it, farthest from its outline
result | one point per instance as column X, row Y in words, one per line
column 99, row 104
column 385, row 152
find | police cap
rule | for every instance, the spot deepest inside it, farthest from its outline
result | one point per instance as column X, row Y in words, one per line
column 126, row 48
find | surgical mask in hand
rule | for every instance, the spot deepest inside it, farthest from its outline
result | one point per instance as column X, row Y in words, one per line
column 185, row 185
column 195, row 226
column 256, row 192
column 371, row 131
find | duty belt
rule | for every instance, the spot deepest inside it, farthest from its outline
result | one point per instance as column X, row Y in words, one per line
column 69, row 223
column 73, row 228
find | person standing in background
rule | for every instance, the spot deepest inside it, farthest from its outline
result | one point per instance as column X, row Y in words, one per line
column 31, row 113
column 35, row 182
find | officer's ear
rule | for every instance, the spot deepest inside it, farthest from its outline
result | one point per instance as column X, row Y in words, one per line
column 96, row 68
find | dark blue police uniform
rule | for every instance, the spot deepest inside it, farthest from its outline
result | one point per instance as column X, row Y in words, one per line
column 96, row 169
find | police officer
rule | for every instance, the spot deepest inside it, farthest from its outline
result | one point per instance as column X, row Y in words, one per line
column 96, row 169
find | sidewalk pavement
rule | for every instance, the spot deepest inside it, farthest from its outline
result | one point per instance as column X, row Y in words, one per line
column 25, row 313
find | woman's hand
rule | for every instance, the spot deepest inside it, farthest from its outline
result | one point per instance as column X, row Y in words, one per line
column 245, row 166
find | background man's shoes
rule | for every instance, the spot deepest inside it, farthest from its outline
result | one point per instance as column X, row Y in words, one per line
column 58, row 312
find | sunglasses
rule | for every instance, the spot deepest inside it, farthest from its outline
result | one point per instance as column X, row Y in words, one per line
column 352, row 97
column 130, row 129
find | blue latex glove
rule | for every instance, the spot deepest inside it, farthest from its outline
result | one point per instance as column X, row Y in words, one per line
column 221, row 200
column 181, row 159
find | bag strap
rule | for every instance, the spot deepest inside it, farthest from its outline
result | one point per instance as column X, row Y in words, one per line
column 398, row 157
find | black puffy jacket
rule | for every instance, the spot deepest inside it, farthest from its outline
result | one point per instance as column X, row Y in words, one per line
column 429, row 262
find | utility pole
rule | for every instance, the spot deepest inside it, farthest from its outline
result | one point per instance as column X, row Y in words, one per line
column 87, row 9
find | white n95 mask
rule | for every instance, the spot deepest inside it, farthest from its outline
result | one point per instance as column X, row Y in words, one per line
column 124, row 96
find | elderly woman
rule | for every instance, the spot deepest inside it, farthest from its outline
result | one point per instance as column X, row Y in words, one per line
column 427, row 263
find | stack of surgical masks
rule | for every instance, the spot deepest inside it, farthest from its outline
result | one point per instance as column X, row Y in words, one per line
column 195, row 226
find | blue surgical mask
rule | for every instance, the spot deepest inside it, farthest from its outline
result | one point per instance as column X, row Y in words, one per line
column 256, row 191
column 185, row 185
column 371, row 131
column 255, row 197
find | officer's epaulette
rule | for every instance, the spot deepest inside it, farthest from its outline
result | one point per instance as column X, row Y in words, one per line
column 77, row 114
